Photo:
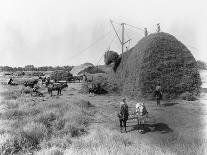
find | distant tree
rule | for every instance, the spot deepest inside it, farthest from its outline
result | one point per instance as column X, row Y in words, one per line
column 29, row 68
column 59, row 75
column 68, row 68
column 7, row 69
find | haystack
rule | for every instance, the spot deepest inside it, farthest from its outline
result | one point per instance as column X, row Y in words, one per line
column 159, row 57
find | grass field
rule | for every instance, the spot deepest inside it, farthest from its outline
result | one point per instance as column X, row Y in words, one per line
column 75, row 123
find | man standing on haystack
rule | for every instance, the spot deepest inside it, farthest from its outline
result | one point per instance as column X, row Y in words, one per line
column 158, row 93
column 123, row 114
column 145, row 32
column 158, row 27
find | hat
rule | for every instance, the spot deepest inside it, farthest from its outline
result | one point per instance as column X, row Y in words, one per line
column 124, row 99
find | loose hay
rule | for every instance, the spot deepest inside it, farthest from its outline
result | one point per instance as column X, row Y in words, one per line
column 110, row 56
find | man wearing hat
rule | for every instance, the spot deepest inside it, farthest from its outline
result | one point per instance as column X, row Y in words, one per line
column 158, row 27
column 123, row 114
column 145, row 32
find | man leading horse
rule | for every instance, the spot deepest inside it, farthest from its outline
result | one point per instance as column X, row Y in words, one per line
column 123, row 114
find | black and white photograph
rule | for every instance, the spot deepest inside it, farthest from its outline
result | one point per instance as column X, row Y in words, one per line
column 103, row 77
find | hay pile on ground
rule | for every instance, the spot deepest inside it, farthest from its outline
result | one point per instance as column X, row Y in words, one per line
column 157, row 57
column 78, row 69
column 91, row 70
column 101, row 83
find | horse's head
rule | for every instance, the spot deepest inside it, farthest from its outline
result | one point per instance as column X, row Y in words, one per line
column 139, row 107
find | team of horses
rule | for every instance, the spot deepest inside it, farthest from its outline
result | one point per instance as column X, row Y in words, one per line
column 141, row 116
column 56, row 87
column 51, row 86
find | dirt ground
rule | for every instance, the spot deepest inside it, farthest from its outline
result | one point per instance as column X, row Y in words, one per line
column 175, row 117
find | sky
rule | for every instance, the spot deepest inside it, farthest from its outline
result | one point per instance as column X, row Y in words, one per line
column 68, row 32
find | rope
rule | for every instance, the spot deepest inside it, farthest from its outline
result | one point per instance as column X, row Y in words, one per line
column 135, row 27
column 108, row 46
column 85, row 49
column 113, row 38
column 129, row 41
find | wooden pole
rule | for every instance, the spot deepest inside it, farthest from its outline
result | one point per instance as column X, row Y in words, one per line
column 122, row 51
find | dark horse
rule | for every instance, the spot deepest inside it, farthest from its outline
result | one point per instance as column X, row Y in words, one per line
column 56, row 86
column 78, row 78
column 30, row 83
column 123, row 116
column 158, row 96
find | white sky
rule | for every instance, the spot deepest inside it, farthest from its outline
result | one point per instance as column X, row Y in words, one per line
column 52, row 32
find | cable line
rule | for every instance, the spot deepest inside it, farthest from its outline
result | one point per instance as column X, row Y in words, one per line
column 113, row 38
column 83, row 50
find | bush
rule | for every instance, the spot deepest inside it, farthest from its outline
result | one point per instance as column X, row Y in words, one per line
column 61, row 75
column 38, row 74
column 26, row 90
column 14, row 114
column 75, row 131
column 84, row 104
column 188, row 96
column 47, row 119
column 27, row 140
column 35, row 133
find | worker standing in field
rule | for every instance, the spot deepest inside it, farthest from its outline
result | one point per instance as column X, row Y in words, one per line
column 84, row 77
column 158, row 93
column 123, row 114
column 145, row 32
column 158, row 27
column 10, row 81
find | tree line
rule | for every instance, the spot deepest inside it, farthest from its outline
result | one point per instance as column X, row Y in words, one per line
column 33, row 68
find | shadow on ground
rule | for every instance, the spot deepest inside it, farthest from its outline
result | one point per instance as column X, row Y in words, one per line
column 156, row 127
column 169, row 104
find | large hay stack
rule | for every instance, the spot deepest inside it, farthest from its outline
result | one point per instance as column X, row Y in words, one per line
column 157, row 57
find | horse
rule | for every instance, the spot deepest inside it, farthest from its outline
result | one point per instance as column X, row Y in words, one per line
column 56, row 86
column 141, row 113
column 123, row 116
column 78, row 78
column 158, row 96
column 30, row 83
